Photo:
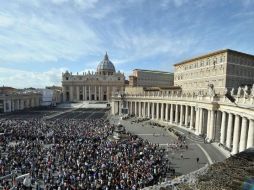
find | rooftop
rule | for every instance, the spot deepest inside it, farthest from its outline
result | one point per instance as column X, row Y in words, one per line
column 152, row 71
column 214, row 53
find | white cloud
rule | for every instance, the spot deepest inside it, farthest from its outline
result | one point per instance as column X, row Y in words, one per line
column 144, row 45
column 82, row 4
column 23, row 79
column 44, row 36
column 176, row 3
column 86, row 3
column 59, row 2
column 5, row 21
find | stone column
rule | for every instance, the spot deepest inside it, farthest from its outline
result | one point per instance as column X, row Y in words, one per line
column 212, row 135
column 201, row 117
column 153, row 107
column 250, row 139
column 243, row 137
column 162, row 111
column 191, row 118
column 95, row 93
column 4, row 102
column 130, row 110
column 176, row 115
column 85, row 93
column 236, row 135
column 113, row 108
column 71, row 93
column 102, row 93
column 99, row 93
column 144, row 110
column 229, row 130
column 64, row 93
column 119, row 107
column 197, row 122
column 157, row 111
column 181, row 115
column 166, row 112
column 84, row 96
column 186, row 115
column 89, row 92
column 171, row 113
column 208, row 124
column 108, row 94
column 77, row 93
column 148, row 111
column 139, row 108
column 136, row 109
column 223, row 128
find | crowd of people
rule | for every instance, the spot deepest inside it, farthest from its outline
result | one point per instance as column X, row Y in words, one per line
column 76, row 154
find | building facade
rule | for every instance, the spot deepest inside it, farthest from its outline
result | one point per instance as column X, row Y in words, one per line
column 221, row 69
column 19, row 101
column 150, row 78
column 98, row 86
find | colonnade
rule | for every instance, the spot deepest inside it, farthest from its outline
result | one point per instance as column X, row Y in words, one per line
column 88, row 93
column 14, row 104
column 231, row 129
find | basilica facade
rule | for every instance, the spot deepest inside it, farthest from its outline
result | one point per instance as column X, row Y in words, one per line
column 93, row 86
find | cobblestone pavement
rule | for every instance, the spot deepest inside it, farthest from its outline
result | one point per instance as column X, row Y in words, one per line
column 206, row 153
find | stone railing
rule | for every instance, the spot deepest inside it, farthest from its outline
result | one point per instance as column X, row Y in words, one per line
column 243, row 97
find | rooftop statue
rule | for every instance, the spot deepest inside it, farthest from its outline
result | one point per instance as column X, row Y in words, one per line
column 239, row 91
column 252, row 91
column 245, row 91
column 232, row 92
column 211, row 91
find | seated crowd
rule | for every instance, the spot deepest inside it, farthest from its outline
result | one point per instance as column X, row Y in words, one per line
column 77, row 154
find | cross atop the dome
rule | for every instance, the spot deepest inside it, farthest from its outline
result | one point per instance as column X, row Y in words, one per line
column 106, row 56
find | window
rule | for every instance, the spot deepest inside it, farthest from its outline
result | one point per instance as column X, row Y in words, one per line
column 67, row 78
column 215, row 60
column 223, row 59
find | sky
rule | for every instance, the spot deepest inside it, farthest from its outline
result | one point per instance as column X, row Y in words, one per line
column 40, row 39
